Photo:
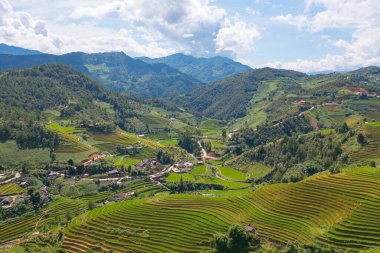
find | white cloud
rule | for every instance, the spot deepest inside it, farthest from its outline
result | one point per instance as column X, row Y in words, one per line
column 360, row 16
column 195, row 26
column 252, row 11
column 236, row 38
column 20, row 29
column 152, row 28
column 190, row 23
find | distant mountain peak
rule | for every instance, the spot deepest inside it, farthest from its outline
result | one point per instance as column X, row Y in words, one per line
column 201, row 68
column 13, row 50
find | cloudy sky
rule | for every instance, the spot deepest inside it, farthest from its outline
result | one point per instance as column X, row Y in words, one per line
column 305, row 35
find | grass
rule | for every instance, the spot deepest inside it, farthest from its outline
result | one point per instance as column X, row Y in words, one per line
column 176, row 177
column 251, row 169
column 204, row 174
column 198, row 170
column 25, row 225
column 231, row 174
column 371, row 150
column 10, row 189
column 10, row 155
column 328, row 210
column 212, row 128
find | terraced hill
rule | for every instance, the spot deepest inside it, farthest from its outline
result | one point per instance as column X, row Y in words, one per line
column 328, row 210
column 371, row 150
column 21, row 226
column 10, row 189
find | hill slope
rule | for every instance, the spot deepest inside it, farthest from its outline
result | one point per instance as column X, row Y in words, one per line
column 204, row 69
column 6, row 49
column 117, row 71
column 229, row 98
column 334, row 211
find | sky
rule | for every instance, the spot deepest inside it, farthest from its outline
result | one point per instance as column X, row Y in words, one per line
column 303, row 35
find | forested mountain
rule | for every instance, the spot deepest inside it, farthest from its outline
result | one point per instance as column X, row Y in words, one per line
column 26, row 94
column 6, row 49
column 203, row 69
column 230, row 97
column 117, row 71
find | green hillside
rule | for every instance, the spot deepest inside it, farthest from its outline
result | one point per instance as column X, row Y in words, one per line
column 290, row 159
column 212, row 101
column 326, row 210
column 116, row 71
column 204, row 69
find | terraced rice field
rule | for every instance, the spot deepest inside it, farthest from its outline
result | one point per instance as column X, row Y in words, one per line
column 371, row 150
column 332, row 210
column 10, row 189
column 68, row 134
column 18, row 227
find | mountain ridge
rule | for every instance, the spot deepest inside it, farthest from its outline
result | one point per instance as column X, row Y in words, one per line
column 115, row 70
column 13, row 50
column 204, row 69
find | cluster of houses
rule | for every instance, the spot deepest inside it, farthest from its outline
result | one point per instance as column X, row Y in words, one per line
column 181, row 167
column 149, row 164
column 95, row 157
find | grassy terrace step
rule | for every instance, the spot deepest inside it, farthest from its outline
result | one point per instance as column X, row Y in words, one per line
column 22, row 226
column 10, row 189
column 333, row 210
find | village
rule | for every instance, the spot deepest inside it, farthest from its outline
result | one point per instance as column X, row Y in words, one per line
column 148, row 168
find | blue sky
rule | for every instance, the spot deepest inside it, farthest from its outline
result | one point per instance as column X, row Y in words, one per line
column 305, row 35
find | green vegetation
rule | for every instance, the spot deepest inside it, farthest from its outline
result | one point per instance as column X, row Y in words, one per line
column 286, row 163
column 117, row 71
column 203, row 69
column 10, row 189
column 338, row 201
column 232, row 174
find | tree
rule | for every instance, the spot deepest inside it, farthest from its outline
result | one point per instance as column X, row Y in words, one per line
column 237, row 239
column 91, row 205
column 224, row 133
column 186, row 142
column 68, row 216
column 70, row 162
column 361, row 138
column 181, row 185
column 344, row 128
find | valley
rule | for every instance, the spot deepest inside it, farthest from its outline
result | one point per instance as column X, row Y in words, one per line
column 91, row 164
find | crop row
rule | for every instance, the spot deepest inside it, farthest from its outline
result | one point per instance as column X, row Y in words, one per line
column 10, row 189
column 330, row 210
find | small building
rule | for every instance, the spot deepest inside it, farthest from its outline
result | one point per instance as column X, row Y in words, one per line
column 43, row 191
column 7, row 201
column 54, row 174
column 181, row 167
column 98, row 156
column 24, row 184
column 249, row 228
column 146, row 164
column 86, row 163
column 141, row 136
column 112, row 173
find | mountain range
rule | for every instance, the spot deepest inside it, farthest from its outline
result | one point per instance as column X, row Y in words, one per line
column 149, row 78
column 7, row 49
column 204, row 69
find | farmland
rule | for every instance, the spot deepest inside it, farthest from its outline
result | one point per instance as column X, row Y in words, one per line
column 328, row 210
column 10, row 189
